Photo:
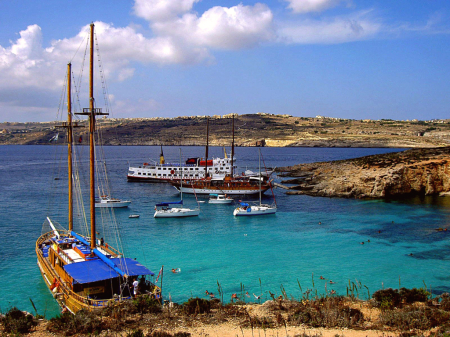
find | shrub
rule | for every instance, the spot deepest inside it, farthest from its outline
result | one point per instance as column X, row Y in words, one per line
column 16, row 321
column 83, row 322
column 327, row 312
column 197, row 306
column 413, row 295
column 146, row 304
column 135, row 333
column 387, row 298
column 414, row 318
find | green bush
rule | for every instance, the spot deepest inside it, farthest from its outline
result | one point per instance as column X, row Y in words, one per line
column 415, row 318
column 327, row 312
column 413, row 295
column 197, row 306
column 16, row 321
column 387, row 298
column 146, row 304
column 83, row 322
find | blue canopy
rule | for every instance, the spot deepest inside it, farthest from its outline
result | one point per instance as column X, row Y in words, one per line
column 244, row 204
column 170, row 203
column 97, row 270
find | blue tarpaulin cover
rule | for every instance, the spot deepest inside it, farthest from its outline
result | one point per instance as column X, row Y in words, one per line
column 244, row 204
column 170, row 203
column 97, row 270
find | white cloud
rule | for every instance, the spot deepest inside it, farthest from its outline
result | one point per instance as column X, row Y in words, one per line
column 161, row 10
column 336, row 30
column 305, row 6
column 236, row 27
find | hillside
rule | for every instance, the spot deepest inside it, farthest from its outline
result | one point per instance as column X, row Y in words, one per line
column 250, row 130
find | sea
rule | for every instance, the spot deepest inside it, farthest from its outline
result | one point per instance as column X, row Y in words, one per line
column 312, row 246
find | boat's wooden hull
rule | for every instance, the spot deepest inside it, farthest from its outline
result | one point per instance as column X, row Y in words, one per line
column 59, row 283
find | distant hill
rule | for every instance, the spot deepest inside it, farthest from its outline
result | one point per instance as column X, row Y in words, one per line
column 250, row 130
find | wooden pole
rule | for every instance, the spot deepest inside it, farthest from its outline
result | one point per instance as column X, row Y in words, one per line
column 207, row 145
column 69, row 143
column 91, row 138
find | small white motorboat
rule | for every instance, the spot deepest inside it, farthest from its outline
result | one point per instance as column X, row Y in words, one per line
column 262, row 209
column 163, row 210
column 106, row 201
column 220, row 199
column 133, row 216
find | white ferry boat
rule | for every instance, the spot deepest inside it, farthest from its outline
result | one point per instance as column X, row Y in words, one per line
column 192, row 169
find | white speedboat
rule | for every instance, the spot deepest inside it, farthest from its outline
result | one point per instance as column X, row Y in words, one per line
column 163, row 210
column 220, row 199
column 106, row 201
column 245, row 209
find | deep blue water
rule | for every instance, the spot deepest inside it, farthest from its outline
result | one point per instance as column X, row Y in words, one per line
column 307, row 238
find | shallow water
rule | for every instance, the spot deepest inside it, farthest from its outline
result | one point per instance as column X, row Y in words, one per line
column 307, row 238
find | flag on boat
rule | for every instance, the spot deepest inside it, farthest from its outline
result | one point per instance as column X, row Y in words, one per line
column 159, row 274
column 54, row 138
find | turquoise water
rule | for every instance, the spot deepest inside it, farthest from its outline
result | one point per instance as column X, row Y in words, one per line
column 308, row 237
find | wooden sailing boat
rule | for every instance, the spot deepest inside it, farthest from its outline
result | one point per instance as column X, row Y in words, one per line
column 81, row 272
column 230, row 184
column 244, row 209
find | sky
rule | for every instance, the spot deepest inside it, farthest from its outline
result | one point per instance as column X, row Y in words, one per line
column 356, row 59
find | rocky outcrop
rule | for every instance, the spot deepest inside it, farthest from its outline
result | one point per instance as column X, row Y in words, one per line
column 417, row 171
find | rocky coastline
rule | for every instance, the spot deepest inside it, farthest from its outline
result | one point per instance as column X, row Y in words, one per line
column 414, row 171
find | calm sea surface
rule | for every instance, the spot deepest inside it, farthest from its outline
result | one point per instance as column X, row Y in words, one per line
column 307, row 238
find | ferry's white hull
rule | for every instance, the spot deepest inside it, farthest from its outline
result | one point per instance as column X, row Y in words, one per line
column 190, row 190
column 176, row 212
column 254, row 210
column 112, row 204
column 166, row 173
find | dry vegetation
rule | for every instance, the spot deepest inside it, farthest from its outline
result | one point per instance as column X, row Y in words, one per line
column 404, row 312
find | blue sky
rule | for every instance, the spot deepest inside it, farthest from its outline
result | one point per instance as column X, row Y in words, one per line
column 353, row 59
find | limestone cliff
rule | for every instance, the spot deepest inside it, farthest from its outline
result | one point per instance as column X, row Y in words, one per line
column 416, row 171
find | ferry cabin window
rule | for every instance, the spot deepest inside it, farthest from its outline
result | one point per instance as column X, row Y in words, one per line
column 159, row 174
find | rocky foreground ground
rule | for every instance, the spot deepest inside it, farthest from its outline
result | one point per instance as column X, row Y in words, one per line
column 415, row 171
column 403, row 313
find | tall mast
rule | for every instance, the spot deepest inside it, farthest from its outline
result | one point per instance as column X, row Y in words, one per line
column 92, row 112
column 259, row 177
column 181, row 180
column 207, row 145
column 69, row 142
column 91, row 137
column 232, row 151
